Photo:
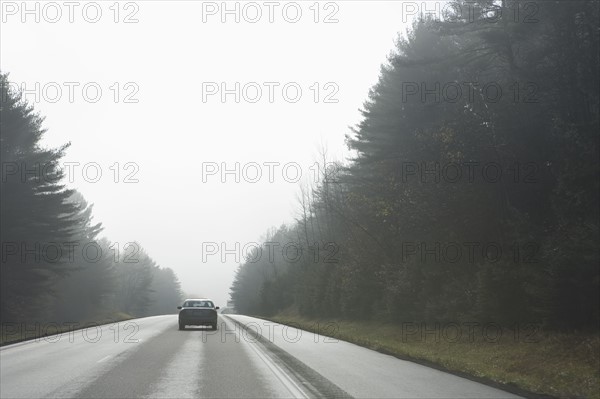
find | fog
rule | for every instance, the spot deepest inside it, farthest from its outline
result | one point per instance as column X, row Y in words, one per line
column 137, row 90
column 415, row 178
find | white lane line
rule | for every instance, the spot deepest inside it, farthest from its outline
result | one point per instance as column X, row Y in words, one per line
column 289, row 384
column 281, row 375
column 104, row 358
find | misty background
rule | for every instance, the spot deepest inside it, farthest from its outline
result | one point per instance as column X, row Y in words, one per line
column 386, row 119
column 170, row 131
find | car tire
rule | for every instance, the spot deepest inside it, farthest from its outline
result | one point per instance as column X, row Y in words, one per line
column 213, row 326
column 181, row 326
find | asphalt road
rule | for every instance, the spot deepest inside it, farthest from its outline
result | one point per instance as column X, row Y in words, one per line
column 245, row 358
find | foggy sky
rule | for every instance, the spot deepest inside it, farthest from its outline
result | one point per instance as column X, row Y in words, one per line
column 167, row 61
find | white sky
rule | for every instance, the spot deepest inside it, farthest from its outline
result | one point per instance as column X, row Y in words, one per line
column 170, row 132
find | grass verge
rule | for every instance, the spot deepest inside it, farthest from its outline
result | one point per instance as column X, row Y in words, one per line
column 523, row 361
column 11, row 333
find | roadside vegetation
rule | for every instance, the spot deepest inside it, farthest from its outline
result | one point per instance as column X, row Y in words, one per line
column 13, row 332
column 56, row 268
column 458, row 205
column 532, row 361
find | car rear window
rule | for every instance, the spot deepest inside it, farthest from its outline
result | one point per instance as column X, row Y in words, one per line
column 198, row 304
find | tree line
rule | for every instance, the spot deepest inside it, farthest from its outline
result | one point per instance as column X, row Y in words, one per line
column 54, row 266
column 472, row 192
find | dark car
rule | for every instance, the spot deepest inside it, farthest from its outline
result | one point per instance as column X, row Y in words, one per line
column 198, row 312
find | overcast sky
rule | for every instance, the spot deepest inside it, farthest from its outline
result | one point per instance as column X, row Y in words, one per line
column 144, row 98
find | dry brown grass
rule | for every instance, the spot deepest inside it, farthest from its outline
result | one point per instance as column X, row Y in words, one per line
column 557, row 364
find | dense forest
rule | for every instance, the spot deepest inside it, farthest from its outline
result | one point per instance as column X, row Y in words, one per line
column 473, row 190
column 55, row 267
